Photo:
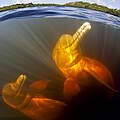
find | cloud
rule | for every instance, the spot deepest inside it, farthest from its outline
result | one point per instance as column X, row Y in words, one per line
column 113, row 0
column 22, row 1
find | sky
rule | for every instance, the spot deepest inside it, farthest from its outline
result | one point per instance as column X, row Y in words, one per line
column 108, row 3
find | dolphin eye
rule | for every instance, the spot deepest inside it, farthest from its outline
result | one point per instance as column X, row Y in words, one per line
column 9, row 86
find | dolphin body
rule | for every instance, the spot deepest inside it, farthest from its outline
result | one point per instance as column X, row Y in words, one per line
column 71, row 62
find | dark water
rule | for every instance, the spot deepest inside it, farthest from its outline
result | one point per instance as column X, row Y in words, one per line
column 27, row 37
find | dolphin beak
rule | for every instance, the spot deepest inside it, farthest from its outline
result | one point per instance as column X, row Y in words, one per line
column 19, row 83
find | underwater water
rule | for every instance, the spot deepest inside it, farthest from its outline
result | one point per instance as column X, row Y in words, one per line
column 27, row 38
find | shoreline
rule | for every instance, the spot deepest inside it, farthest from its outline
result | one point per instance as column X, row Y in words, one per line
column 115, row 12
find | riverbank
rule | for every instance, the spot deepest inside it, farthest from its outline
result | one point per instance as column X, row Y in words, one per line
column 86, row 5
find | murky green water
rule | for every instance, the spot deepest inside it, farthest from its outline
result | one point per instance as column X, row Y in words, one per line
column 26, row 47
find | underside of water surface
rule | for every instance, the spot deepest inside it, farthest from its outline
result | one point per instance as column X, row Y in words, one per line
column 27, row 39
